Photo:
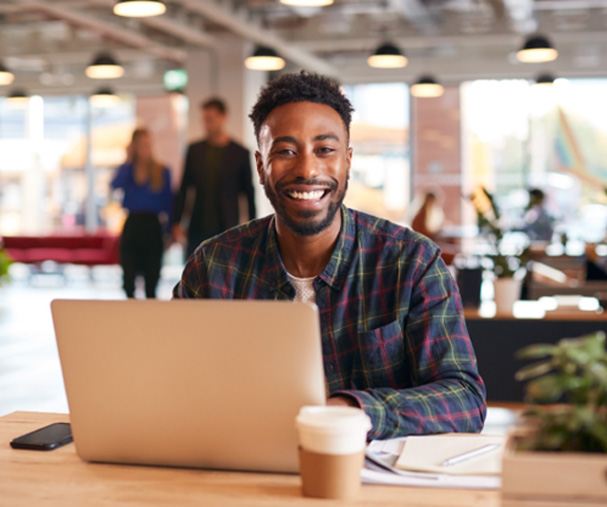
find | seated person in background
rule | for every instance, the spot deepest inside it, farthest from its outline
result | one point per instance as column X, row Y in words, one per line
column 394, row 339
column 538, row 223
column 429, row 218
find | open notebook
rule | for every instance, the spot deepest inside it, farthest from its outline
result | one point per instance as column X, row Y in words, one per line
column 415, row 461
column 428, row 453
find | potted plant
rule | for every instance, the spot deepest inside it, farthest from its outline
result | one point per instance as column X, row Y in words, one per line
column 558, row 456
column 505, row 264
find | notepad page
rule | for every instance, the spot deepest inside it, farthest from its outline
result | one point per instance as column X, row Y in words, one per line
column 426, row 453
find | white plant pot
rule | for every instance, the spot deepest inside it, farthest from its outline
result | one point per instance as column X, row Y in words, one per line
column 506, row 292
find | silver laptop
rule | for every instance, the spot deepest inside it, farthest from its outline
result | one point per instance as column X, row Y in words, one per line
column 205, row 383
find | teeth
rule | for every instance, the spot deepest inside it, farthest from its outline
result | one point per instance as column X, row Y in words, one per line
column 307, row 196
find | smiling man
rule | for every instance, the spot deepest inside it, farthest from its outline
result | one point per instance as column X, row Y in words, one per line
column 394, row 338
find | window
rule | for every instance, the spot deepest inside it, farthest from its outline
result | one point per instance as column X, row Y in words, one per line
column 380, row 174
column 44, row 183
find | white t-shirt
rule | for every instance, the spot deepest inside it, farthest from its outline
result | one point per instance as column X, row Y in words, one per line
column 304, row 288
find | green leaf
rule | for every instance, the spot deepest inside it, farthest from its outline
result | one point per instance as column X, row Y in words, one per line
column 533, row 370
column 536, row 351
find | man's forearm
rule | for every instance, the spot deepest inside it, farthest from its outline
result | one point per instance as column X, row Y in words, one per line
column 448, row 405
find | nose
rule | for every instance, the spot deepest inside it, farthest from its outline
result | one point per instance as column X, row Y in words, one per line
column 307, row 166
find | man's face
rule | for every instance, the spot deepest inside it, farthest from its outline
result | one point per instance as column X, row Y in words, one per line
column 303, row 163
column 213, row 121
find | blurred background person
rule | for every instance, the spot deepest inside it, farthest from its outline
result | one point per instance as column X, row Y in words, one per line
column 538, row 224
column 148, row 198
column 429, row 217
column 217, row 171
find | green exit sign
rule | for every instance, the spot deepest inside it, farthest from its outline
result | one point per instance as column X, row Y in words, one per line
column 175, row 80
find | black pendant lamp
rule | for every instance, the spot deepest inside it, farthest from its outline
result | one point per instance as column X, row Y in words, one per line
column 6, row 76
column 545, row 79
column 139, row 8
column 264, row 58
column 427, row 87
column 387, row 56
column 104, row 97
column 104, row 66
column 537, row 49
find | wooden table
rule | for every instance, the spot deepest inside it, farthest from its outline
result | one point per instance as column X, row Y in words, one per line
column 60, row 478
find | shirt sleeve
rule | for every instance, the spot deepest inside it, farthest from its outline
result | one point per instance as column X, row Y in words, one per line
column 194, row 282
column 167, row 198
column 121, row 177
column 187, row 180
column 448, row 393
column 246, row 181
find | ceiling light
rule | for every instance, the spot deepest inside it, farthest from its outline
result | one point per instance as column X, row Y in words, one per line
column 387, row 56
column 307, row 3
column 17, row 96
column 545, row 79
column 139, row 8
column 104, row 97
column 264, row 58
column 6, row 76
column 104, row 66
column 427, row 87
column 537, row 49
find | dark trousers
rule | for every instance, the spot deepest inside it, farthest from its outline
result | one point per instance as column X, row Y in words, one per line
column 141, row 249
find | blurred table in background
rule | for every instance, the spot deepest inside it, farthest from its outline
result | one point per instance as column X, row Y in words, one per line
column 496, row 338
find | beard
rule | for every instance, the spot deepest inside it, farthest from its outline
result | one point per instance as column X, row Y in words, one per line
column 306, row 223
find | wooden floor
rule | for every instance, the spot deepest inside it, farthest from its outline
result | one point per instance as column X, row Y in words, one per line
column 30, row 374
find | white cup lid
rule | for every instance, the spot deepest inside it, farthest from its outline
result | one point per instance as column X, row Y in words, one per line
column 333, row 419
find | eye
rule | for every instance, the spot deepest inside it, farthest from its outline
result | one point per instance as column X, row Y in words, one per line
column 325, row 150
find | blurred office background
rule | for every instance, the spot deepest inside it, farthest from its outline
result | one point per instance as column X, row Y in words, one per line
column 487, row 119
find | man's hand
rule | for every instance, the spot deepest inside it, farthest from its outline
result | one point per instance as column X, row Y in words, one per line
column 179, row 234
column 342, row 401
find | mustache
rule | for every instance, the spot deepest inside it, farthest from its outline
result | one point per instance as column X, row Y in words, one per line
column 330, row 184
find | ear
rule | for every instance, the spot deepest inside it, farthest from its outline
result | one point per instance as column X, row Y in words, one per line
column 348, row 159
column 260, row 170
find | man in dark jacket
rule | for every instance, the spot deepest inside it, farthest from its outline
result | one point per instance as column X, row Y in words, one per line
column 218, row 171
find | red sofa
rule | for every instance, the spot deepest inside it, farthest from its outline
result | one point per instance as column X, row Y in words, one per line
column 83, row 249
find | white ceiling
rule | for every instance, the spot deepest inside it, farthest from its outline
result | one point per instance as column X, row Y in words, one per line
column 49, row 42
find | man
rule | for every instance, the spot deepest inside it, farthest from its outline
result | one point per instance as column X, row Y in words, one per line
column 219, row 171
column 393, row 336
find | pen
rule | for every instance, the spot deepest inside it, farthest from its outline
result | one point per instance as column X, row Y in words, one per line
column 459, row 458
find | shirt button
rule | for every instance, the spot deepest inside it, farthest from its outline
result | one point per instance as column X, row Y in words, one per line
column 331, row 367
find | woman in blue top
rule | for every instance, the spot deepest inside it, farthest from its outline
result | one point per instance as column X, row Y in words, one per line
column 149, row 199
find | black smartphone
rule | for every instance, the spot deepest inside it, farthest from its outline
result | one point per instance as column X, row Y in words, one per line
column 45, row 439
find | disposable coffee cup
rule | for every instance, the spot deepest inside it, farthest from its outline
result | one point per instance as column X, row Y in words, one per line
column 332, row 444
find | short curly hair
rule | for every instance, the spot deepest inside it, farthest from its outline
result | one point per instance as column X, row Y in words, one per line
column 300, row 87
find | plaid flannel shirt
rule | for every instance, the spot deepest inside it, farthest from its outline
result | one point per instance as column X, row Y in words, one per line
column 394, row 337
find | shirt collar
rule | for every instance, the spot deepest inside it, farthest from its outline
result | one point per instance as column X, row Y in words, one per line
column 336, row 269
